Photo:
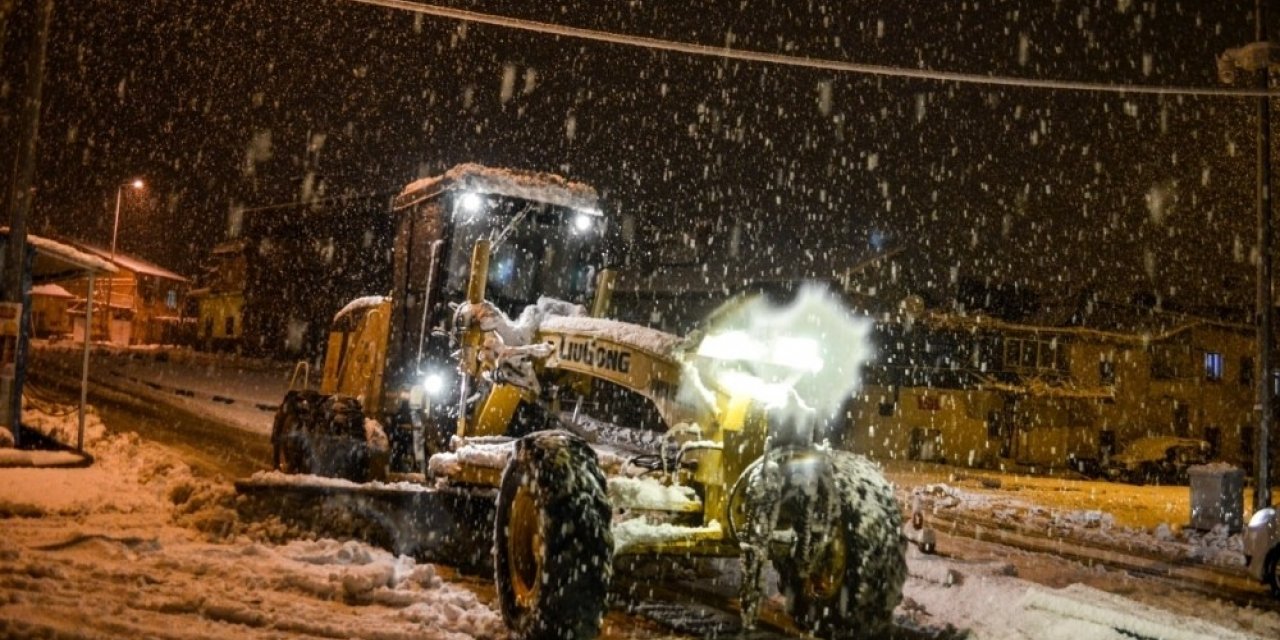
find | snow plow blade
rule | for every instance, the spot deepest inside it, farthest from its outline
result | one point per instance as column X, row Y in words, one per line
column 447, row 525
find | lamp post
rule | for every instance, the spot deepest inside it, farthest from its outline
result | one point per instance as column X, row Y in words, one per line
column 1259, row 57
column 136, row 183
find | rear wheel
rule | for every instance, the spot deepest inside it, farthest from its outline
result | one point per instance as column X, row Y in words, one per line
column 553, row 548
column 855, row 579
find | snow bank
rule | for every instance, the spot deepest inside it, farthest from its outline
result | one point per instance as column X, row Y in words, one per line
column 137, row 546
column 1091, row 526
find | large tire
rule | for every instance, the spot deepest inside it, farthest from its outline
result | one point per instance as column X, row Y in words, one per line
column 552, row 545
column 290, row 443
column 1271, row 571
column 861, row 566
column 341, row 446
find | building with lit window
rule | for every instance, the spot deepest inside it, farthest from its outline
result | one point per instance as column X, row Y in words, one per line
column 146, row 303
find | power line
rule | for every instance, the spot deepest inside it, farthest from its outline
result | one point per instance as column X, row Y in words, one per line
column 800, row 61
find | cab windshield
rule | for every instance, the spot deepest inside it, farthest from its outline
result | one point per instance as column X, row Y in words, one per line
column 548, row 251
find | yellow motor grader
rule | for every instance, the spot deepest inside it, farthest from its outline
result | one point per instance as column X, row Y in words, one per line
column 490, row 372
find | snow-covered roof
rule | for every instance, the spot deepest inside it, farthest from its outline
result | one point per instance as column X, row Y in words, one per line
column 136, row 265
column 51, row 291
column 528, row 185
column 55, row 260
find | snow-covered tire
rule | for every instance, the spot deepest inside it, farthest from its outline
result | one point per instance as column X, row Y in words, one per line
column 552, row 545
column 1271, row 571
column 864, row 563
column 289, row 442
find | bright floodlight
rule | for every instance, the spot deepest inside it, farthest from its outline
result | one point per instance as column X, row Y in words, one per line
column 433, row 384
column 811, row 351
column 582, row 222
column 471, row 202
column 137, row 184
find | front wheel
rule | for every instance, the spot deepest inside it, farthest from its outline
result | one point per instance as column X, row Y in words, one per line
column 290, row 450
column 1271, row 571
column 855, row 579
column 552, row 545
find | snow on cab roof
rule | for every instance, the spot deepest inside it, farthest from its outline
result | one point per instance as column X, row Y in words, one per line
column 528, row 185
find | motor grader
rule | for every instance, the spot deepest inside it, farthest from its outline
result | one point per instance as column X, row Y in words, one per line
column 490, row 371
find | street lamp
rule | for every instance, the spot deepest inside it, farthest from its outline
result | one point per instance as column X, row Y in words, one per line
column 136, row 184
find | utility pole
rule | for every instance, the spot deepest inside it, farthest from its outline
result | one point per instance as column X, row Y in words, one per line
column 19, row 203
column 1266, row 394
column 1257, row 57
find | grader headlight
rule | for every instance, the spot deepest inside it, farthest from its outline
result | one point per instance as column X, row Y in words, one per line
column 806, row 356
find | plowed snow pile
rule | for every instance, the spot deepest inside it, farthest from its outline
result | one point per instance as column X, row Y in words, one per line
column 136, row 546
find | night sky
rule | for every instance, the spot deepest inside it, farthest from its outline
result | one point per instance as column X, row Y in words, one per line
column 224, row 103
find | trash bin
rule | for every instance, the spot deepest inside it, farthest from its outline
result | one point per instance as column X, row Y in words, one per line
column 1217, row 496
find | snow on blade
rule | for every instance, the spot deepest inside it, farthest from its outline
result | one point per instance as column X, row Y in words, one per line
column 490, row 455
column 640, row 531
column 650, row 494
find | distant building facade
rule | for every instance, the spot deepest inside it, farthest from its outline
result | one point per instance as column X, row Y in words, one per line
column 974, row 391
column 273, row 288
column 220, row 301
column 49, row 317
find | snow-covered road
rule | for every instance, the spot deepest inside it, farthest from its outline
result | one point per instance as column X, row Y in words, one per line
column 138, row 545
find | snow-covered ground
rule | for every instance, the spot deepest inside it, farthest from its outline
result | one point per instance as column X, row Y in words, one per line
column 138, row 545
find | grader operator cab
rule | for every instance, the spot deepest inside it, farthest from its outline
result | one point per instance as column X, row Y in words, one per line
column 594, row 438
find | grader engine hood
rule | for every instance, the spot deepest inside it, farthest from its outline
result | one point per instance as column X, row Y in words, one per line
column 631, row 356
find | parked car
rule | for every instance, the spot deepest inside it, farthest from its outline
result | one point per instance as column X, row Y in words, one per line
column 1157, row 459
column 1262, row 548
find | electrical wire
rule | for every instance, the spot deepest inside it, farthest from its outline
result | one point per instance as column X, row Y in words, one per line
column 747, row 55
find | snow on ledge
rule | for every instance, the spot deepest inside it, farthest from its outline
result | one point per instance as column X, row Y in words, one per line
column 359, row 304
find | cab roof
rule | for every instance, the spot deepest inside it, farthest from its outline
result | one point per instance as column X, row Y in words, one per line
column 527, row 185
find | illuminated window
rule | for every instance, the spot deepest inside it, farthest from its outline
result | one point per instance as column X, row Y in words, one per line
column 1212, row 366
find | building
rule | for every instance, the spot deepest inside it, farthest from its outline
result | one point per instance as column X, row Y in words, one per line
column 273, row 287
column 220, row 302
column 49, row 318
column 147, row 303
column 976, row 391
